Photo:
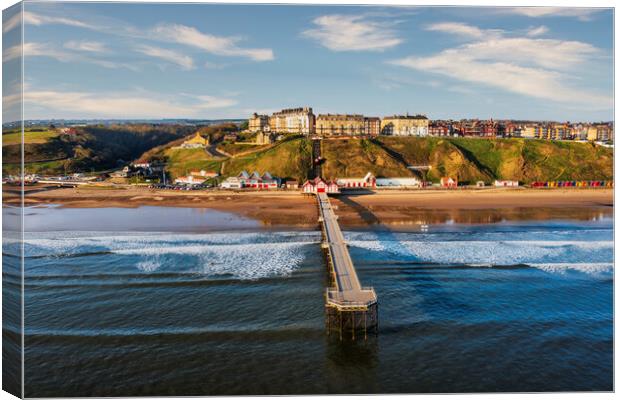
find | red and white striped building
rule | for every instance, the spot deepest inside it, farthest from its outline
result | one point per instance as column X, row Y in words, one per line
column 318, row 185
column 368, row 181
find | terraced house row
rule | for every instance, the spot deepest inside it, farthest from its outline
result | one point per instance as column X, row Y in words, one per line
column 302, row 120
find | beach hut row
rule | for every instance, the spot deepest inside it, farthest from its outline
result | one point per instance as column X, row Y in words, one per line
column 572, row 184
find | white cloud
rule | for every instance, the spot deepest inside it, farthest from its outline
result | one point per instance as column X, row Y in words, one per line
column 583, row 14
column 539, row 68
column 185, row 62
column 175, row 33
column 12, row 22
column 34, row 49
column 533, row 82
column 352, row 33
column 461, row 29
column 38, row 19
column 492, row 44
column 538, row 31
column 548, row 53
column 86, row 45
column 219, row 45
column 137, row 104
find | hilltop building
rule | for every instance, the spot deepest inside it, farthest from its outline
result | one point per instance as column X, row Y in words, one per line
column 437, row 128
column 293, row 120
column 372, row 126
column 528, row 132
column 405, row 125
column 263, row 137
column 196, row 142
column 258, row 123
column 604, row 133
column 340, row 125
column 553, row 132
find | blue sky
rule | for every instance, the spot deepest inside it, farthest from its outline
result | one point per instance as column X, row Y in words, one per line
column 113, row 60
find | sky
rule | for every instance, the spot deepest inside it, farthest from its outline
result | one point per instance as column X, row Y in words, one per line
column 208, row 61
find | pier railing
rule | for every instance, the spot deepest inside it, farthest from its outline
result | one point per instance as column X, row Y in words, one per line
column 349, row 305
column 336, row 298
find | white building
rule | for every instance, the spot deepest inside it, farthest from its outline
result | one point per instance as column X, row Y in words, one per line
column 253, row 181
column 502, row 183
column 205, row 174
column 398, row 182
column 190, row 180
column 293, row 120
column 368, row 181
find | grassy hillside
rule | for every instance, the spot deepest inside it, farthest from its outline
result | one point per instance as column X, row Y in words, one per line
column 488, row 159
column 356, row 157
column 30, row 136
column 238, row 148
column 180, row 162
column 92, row 148
column 288, row 159
column 469, row 160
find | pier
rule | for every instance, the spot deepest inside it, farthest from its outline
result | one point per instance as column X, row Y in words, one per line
column 350, row 307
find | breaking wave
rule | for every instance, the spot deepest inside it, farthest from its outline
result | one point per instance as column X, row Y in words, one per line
column 549, row 255
column 243, row 255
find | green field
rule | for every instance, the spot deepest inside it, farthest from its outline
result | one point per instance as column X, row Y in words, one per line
column 13, row 137
column 45, row 167
column 181, row 161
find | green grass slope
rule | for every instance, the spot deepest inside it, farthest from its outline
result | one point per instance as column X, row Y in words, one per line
column 471, row 159
column 288, row 159
column 93, row 148
column 180, row 162
column 30, row 136
column 356, row 157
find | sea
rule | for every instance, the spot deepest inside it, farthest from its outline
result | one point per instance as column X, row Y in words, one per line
column 182, row 301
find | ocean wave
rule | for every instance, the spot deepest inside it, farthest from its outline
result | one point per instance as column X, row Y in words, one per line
column 589, row 268
column 57, row 244
column 242, row 255
column 470, row 252
column 242, row 261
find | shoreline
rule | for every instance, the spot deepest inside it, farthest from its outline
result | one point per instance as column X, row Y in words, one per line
column 390, row 207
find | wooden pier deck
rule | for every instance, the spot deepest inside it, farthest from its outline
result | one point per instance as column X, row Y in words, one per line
column 349, row 305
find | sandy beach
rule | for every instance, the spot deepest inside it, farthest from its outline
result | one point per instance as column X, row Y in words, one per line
column 361, row 208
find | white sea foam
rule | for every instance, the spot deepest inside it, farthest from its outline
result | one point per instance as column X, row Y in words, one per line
column 243, row 255
column 59, row 244
column 589, row 268
column 494, row 252
column 148, row 265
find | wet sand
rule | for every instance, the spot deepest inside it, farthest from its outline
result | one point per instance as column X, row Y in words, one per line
column 354, row 208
